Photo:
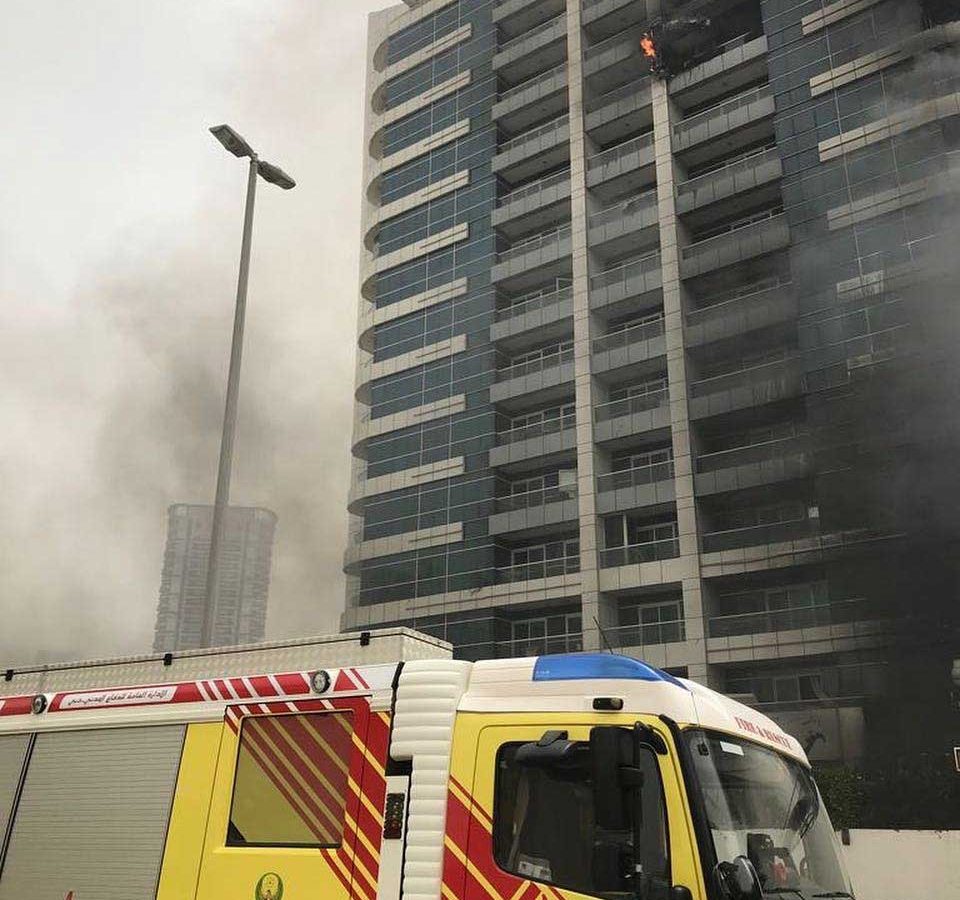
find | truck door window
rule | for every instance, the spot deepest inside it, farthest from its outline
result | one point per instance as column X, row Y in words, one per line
column 544, row 828
column 291, row 781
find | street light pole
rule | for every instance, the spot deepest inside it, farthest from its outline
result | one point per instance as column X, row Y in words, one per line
column 236, row 145
column 227, row 439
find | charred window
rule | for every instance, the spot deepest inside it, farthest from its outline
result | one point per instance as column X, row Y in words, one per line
column 938, row 12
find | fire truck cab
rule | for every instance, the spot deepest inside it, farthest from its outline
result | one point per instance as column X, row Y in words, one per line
column 376, row 767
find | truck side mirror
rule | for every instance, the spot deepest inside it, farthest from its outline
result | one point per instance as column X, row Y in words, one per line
column 611, row 752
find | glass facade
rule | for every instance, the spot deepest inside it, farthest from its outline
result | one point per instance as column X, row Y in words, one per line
column 729, row 454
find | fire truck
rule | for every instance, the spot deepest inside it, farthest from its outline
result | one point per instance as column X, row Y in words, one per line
column 374, row 766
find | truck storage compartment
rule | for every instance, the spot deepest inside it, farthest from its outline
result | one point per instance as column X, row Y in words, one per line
column 92, row 817
column 13, row 751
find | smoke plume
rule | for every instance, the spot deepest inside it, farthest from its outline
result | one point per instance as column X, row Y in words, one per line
column 112, row 386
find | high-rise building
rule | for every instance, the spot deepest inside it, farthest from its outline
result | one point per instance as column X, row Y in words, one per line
column 244, row 577
column 657, row 345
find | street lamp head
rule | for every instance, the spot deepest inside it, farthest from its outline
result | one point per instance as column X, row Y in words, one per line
column 275, row 175
column 232, row 141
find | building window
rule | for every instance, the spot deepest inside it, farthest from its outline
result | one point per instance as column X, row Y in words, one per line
column 544, row 827
column 544, row 560
column 291, row 781
column 827, row 683
column 651, row 623
column 537, row 490
column 561, row 633
column 780, row 608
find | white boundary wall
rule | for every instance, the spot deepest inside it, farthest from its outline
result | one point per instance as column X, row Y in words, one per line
column 904, row 865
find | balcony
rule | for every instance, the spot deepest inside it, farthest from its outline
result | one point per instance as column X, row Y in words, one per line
column 626, row 282
column 629, row 346
column 642, row 486
column 743, row 310
column 763, row 233
column 544, row 313
column 757, row 169
column 602, row 18
column 520, row 107
column 745, row 388
column 533, row 260
column 652, row 634
column 753, row 465
column 610, row 63
column 716, row 132
column 522, row 56
column 757, row 535
column 548, row 568
column 534, row 510
column 636, row 554
column 629, row 225
column 735, row 64
column 546, row 373
column 554, row 438
column 537, row 150
column 539, row 204
column 616, row 114
column 631, row 416
column 623, row 167
column 821, row 615
column 513, row 17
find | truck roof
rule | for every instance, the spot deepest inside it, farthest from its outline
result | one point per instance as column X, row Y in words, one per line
column 388, row 645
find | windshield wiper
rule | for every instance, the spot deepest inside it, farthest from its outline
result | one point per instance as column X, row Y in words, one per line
column 787, row 890
column 838, row 894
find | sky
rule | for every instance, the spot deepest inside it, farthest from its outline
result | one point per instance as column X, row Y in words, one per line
column 120, row 220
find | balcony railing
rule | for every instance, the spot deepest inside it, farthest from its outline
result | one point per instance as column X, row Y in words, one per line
column 756, row 535
column 537, row 242
column 794, row 447
column 547, row 360
column 729, row 380
column 597, row 49
column 536, row 429
column 618, row 93
column 534, row 188
column 624, row 209
column 531, row 82
column 623, row 272
column 741, row 163
column 636, row 477
column 536, row 498
column 647, row 634
column 532, row 33
column 839, row 612
column 737, row 296
column 519, row 648
column 635, row 554
column 618, row 408
column 548, row 568
column 725, row 107
column 612, row 154
column 633, row 334
column 534, row 133
column 532, row 302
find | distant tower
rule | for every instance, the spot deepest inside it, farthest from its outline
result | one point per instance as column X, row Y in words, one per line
column 244, row 577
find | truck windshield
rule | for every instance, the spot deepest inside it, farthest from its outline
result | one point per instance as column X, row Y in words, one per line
column 766, row 807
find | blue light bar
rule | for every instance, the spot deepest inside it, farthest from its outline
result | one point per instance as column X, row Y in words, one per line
column 582, row 666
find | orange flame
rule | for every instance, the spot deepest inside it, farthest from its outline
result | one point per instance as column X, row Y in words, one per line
column 648, row 46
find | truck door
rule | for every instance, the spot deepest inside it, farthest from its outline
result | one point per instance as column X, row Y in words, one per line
column 288, row 817
column 524, row 833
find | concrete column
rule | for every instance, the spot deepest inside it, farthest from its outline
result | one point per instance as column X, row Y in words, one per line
column 671, row 237
column 583, row 332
